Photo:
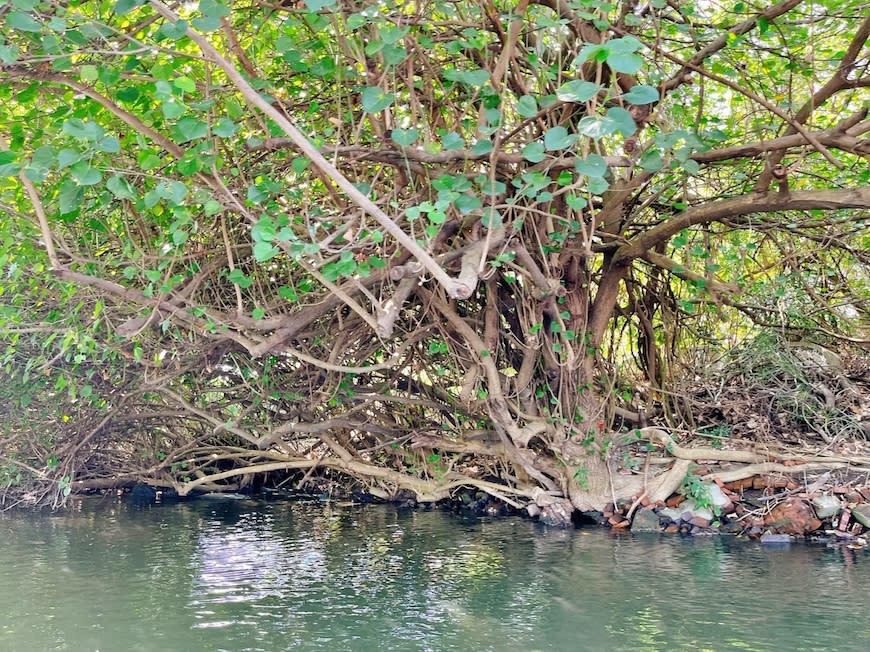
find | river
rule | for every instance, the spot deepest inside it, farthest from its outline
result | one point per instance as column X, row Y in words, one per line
column 274, row 575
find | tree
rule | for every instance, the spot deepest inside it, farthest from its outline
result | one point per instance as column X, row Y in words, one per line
column 415, row 244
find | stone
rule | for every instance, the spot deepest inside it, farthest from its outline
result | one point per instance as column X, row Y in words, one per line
column 700, row 522
column 669, row 513
column 861, row 513
column 776, row 539
column 645, row 520
column 672, row 528
column 557, row 514
column 691, row 509
column 719, row 500
column 793, row 516
column 826, row 506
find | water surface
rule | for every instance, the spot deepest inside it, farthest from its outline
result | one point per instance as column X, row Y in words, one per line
column 248, row 575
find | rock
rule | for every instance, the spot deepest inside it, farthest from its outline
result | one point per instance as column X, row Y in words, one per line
column 672, row 528
column 731, row 526
column 596, row 518
column 861, row 513
column 533, row 510
column 646, row 520
column 776, row 539
column 690, row 510
column 826, row 506
column 669, row 513
column 557, row 514
column 794, row 516
column 700, row 522
column 719, row 500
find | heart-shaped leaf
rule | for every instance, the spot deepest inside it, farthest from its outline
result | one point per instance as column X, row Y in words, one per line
column 558, row 138
column 577, row 90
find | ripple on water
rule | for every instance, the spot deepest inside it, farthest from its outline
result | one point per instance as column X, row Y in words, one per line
column 276, row 576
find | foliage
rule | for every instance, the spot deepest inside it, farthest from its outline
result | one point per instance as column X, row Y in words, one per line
column 336, row 237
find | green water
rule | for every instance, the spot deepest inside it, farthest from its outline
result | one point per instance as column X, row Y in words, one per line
column 246, row 575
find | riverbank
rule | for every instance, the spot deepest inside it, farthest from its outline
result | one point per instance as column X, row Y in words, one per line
column 770, row 508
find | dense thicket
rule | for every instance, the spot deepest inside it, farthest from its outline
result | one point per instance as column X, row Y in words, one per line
column 422, row 245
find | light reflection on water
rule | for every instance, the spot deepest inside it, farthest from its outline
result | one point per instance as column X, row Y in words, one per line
column 244, row 575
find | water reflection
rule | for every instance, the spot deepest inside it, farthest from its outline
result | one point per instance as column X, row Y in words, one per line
column 243, row 575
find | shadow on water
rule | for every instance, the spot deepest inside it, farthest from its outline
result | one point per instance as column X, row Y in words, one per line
column 248, row 575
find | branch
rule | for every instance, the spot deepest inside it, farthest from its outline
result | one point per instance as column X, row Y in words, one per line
column 837, row 138
column 40, row 212
column 761, row 202
column 717, row 44
column 836, row 83
column 454, row 288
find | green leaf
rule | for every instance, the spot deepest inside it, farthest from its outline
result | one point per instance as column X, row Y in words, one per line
column 317, row 5
column 264, row 251
column 404, row 137
column 577, row 90
column 452, row 140
column 534, row 152
column 85, row 175
column 592, row 166
column 88, row 73
column 176, row 191
column 109, row 144
column 482, row 147
column 225, row 128
column 69, row 198
column 8, row 54
column 83, row 130
column 68, row 156
column 127, row 94
column 22, row 22
column 558, row 138
column 651, row 161
column 238, row 277
column 211, row 12
column 125, row 6
column 641, row 94
column 211, row 207
column 527, row 107
column 191, row 128
column 299, row 164
column 597, row 185
column 691, row 167
column 263, row 230
column 288, row 294
column 491, row 219
column 576, row 203
column 185, row 84
column 621, row 120
column 374, row 99
column 171, row 108
column 624, row 62
column 119, row 187
column 148, row 160
column 257, row 194
column 467, row 203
